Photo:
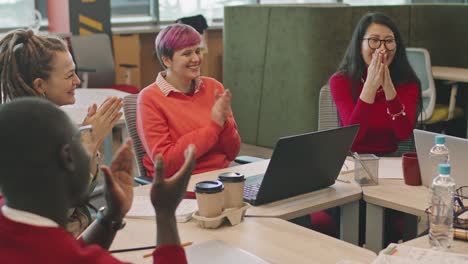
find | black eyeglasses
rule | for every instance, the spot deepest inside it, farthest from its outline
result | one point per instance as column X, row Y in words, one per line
column 375, row 43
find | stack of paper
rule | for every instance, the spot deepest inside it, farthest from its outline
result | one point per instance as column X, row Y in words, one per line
column 142, row 208
column 401, row 254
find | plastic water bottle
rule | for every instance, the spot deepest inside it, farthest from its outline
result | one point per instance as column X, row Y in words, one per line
column 441, row 219
column 439, row 154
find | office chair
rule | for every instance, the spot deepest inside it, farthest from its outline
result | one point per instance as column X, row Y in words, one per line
column 432, row 113
column 129, row 107
column 94, row 59
column 328, row 115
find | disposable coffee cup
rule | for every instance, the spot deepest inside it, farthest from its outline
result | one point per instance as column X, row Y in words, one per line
column 210, row 198
column 233, row 189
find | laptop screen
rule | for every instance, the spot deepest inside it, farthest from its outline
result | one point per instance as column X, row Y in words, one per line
column 458, row 149
column 305, row 163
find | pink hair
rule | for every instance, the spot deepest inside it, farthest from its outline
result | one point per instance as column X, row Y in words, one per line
column 173, row 38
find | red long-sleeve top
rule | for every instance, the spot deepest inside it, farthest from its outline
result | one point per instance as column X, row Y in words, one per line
column 378, row 132
column 168, row 121
column 23, row 244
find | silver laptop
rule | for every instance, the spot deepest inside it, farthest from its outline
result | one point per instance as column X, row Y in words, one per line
column 458, row 149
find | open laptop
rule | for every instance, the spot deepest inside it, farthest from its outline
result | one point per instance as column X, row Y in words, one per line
column 458, row 149
column 301, row 164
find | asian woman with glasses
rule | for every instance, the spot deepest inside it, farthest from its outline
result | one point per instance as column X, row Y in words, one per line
column 376, row 87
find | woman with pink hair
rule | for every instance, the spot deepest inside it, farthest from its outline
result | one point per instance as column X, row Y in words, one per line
column 182, row 108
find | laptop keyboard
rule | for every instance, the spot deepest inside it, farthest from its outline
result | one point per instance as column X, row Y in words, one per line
column 252, row 186
column 250, row 191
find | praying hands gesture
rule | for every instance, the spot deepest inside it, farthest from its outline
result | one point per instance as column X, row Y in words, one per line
column 374, row 79
column 378, row 75
column 387, row 85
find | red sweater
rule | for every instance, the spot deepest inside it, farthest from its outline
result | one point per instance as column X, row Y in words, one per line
column 25, row 244
column 378, row 133
column 168, row 124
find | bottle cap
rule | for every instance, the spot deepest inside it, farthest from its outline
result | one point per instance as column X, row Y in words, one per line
column 440, row 139
column 444, row 169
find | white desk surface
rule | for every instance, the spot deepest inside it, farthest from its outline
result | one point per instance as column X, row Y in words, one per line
column 338, row 194
column 450, row 73
column 272, row 239
column 458, row 246
column 395, row 194
column 85, row 98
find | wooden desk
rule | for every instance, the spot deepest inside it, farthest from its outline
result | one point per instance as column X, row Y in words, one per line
column 274, row 240
column 84, row 99
column 345, row 195
column 255, row 151
column 450, row 73
column 458, row 246
column 393, row 194
column 454, row 75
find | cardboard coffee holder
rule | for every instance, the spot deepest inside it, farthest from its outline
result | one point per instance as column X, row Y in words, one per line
column 233, row 215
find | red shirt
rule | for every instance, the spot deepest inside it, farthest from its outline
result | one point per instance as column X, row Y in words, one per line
column 378, row 132
column 25, row 244
column 168, row 121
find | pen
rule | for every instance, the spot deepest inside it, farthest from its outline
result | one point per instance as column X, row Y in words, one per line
column 131, row 249
column 356, row 156
column 186, row 244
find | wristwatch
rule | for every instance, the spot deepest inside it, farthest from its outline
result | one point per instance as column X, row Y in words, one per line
column 115, row 225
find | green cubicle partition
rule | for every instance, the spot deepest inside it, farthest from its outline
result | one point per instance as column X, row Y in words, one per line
column 299, row 49
column 276, row 58
column 443, row 30
column 245, row 46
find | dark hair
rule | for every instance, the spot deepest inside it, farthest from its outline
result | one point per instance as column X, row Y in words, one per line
column 353, row 64
column 24, row 57
column 33, row 130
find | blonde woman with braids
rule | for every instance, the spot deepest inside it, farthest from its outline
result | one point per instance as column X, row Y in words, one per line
column 42, row 66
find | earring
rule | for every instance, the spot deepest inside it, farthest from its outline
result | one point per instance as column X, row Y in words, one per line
column 44, row 95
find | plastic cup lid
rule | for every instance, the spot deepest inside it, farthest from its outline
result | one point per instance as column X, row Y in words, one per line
column 231, row 177
column 209, row 187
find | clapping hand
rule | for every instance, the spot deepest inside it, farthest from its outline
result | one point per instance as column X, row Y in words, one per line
column 119, row 183
column 222, row 107
column 103, row 119
column 166, row 194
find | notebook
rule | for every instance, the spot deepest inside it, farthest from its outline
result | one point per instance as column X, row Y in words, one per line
column 301, row 164
column 216, row 251
column 458, row 149
column 143, row 209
